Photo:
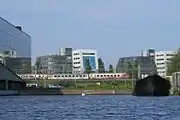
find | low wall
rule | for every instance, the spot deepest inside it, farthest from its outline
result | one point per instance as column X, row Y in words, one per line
column 41, row 91
column 96, row 92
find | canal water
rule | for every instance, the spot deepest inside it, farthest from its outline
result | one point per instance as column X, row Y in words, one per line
column 96, row 107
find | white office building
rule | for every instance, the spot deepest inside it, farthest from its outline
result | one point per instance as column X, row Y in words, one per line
column 79, row 60
column 162, row 59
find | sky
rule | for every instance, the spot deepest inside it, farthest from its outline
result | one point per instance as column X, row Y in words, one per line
column 115, row 28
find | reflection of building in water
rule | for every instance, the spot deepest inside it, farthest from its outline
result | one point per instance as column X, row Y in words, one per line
column 15, row 46
column 79, row 58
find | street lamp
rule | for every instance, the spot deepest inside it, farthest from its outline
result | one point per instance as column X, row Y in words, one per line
column 67, row 60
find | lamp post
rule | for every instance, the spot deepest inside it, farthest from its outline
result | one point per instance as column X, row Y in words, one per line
column 67, row 60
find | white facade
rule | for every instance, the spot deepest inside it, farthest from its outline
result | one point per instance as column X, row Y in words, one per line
column 78, row 57
column 161, row 60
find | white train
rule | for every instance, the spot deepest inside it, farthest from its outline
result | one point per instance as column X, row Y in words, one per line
column 76, row 76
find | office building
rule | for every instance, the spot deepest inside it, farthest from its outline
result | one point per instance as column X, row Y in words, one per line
column 162, row 59
column 14, row 44
column 146, row 65
column 53, row 64
column 66, row 52
column 148, row 53
column 79, row 58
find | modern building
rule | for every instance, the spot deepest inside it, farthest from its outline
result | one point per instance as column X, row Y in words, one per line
column 79, row 58
column 14, row 44
column 65, row 51
column 148, row 53
column 162, row 59
column 53, row 64
column 145, row 64
column 10, row 83
column 19, row 65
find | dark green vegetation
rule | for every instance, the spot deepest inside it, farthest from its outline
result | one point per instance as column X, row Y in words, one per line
column 111, row 69
column 174, row 64
column 101, row 68
column 131, row 68
column 88, row 84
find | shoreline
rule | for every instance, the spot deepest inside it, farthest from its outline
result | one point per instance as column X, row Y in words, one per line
column 61, row 92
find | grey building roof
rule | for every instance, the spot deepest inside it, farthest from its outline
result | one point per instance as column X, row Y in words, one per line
column 7, row 74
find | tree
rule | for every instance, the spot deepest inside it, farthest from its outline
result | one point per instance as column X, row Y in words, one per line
column 135, row 68
column 37, row 65
column 101, row 68
column 88, row 68
column 111, row 70
column 129, row 68
column 174, row 64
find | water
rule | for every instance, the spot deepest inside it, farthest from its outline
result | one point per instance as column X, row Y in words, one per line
column 89, row 108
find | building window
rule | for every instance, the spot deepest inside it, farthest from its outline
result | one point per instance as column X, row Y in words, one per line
column 88, row 53
column 159, row 59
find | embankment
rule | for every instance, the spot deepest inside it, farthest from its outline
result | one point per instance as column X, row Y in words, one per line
column 54, row 91
column 41, row 91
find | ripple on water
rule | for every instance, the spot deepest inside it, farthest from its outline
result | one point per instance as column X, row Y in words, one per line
column 89, row 107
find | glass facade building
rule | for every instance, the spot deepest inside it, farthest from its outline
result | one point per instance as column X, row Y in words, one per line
column 12, row 38
column 53, row 64
column 146, row 64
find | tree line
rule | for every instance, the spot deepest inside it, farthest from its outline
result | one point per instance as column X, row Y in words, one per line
column 101, row 67
column 174, row 64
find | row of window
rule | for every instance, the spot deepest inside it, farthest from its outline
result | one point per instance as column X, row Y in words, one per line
column 70, row 76
column 159, row 63
column 107, row 75
column 160, row 59
column 88, row 53
column 77, row 67
column 84, row 53
column 76, row 54
column 76, row 63
column 166, row 55
column 76, row 58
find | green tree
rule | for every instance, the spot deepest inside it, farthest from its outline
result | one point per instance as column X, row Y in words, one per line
column 129, row 67
column 111, row 70
column 135, row 68
column 38, row 65
column 174, row 64
column 88, row 68
column 101, row 68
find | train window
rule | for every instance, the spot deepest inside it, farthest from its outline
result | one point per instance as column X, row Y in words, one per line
column 62, row 75
column 104, row 75
column 101, row 75
column 80, row 75
column 84, row 75
column 108, row 75
column 72, row 75
column 59, row 76
column 55, row 76
column 114, row 75
column 111, row 75
column 97, row 75
column 77, row 76
column 118, row 75
column 69, row 75
column 65, row 75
